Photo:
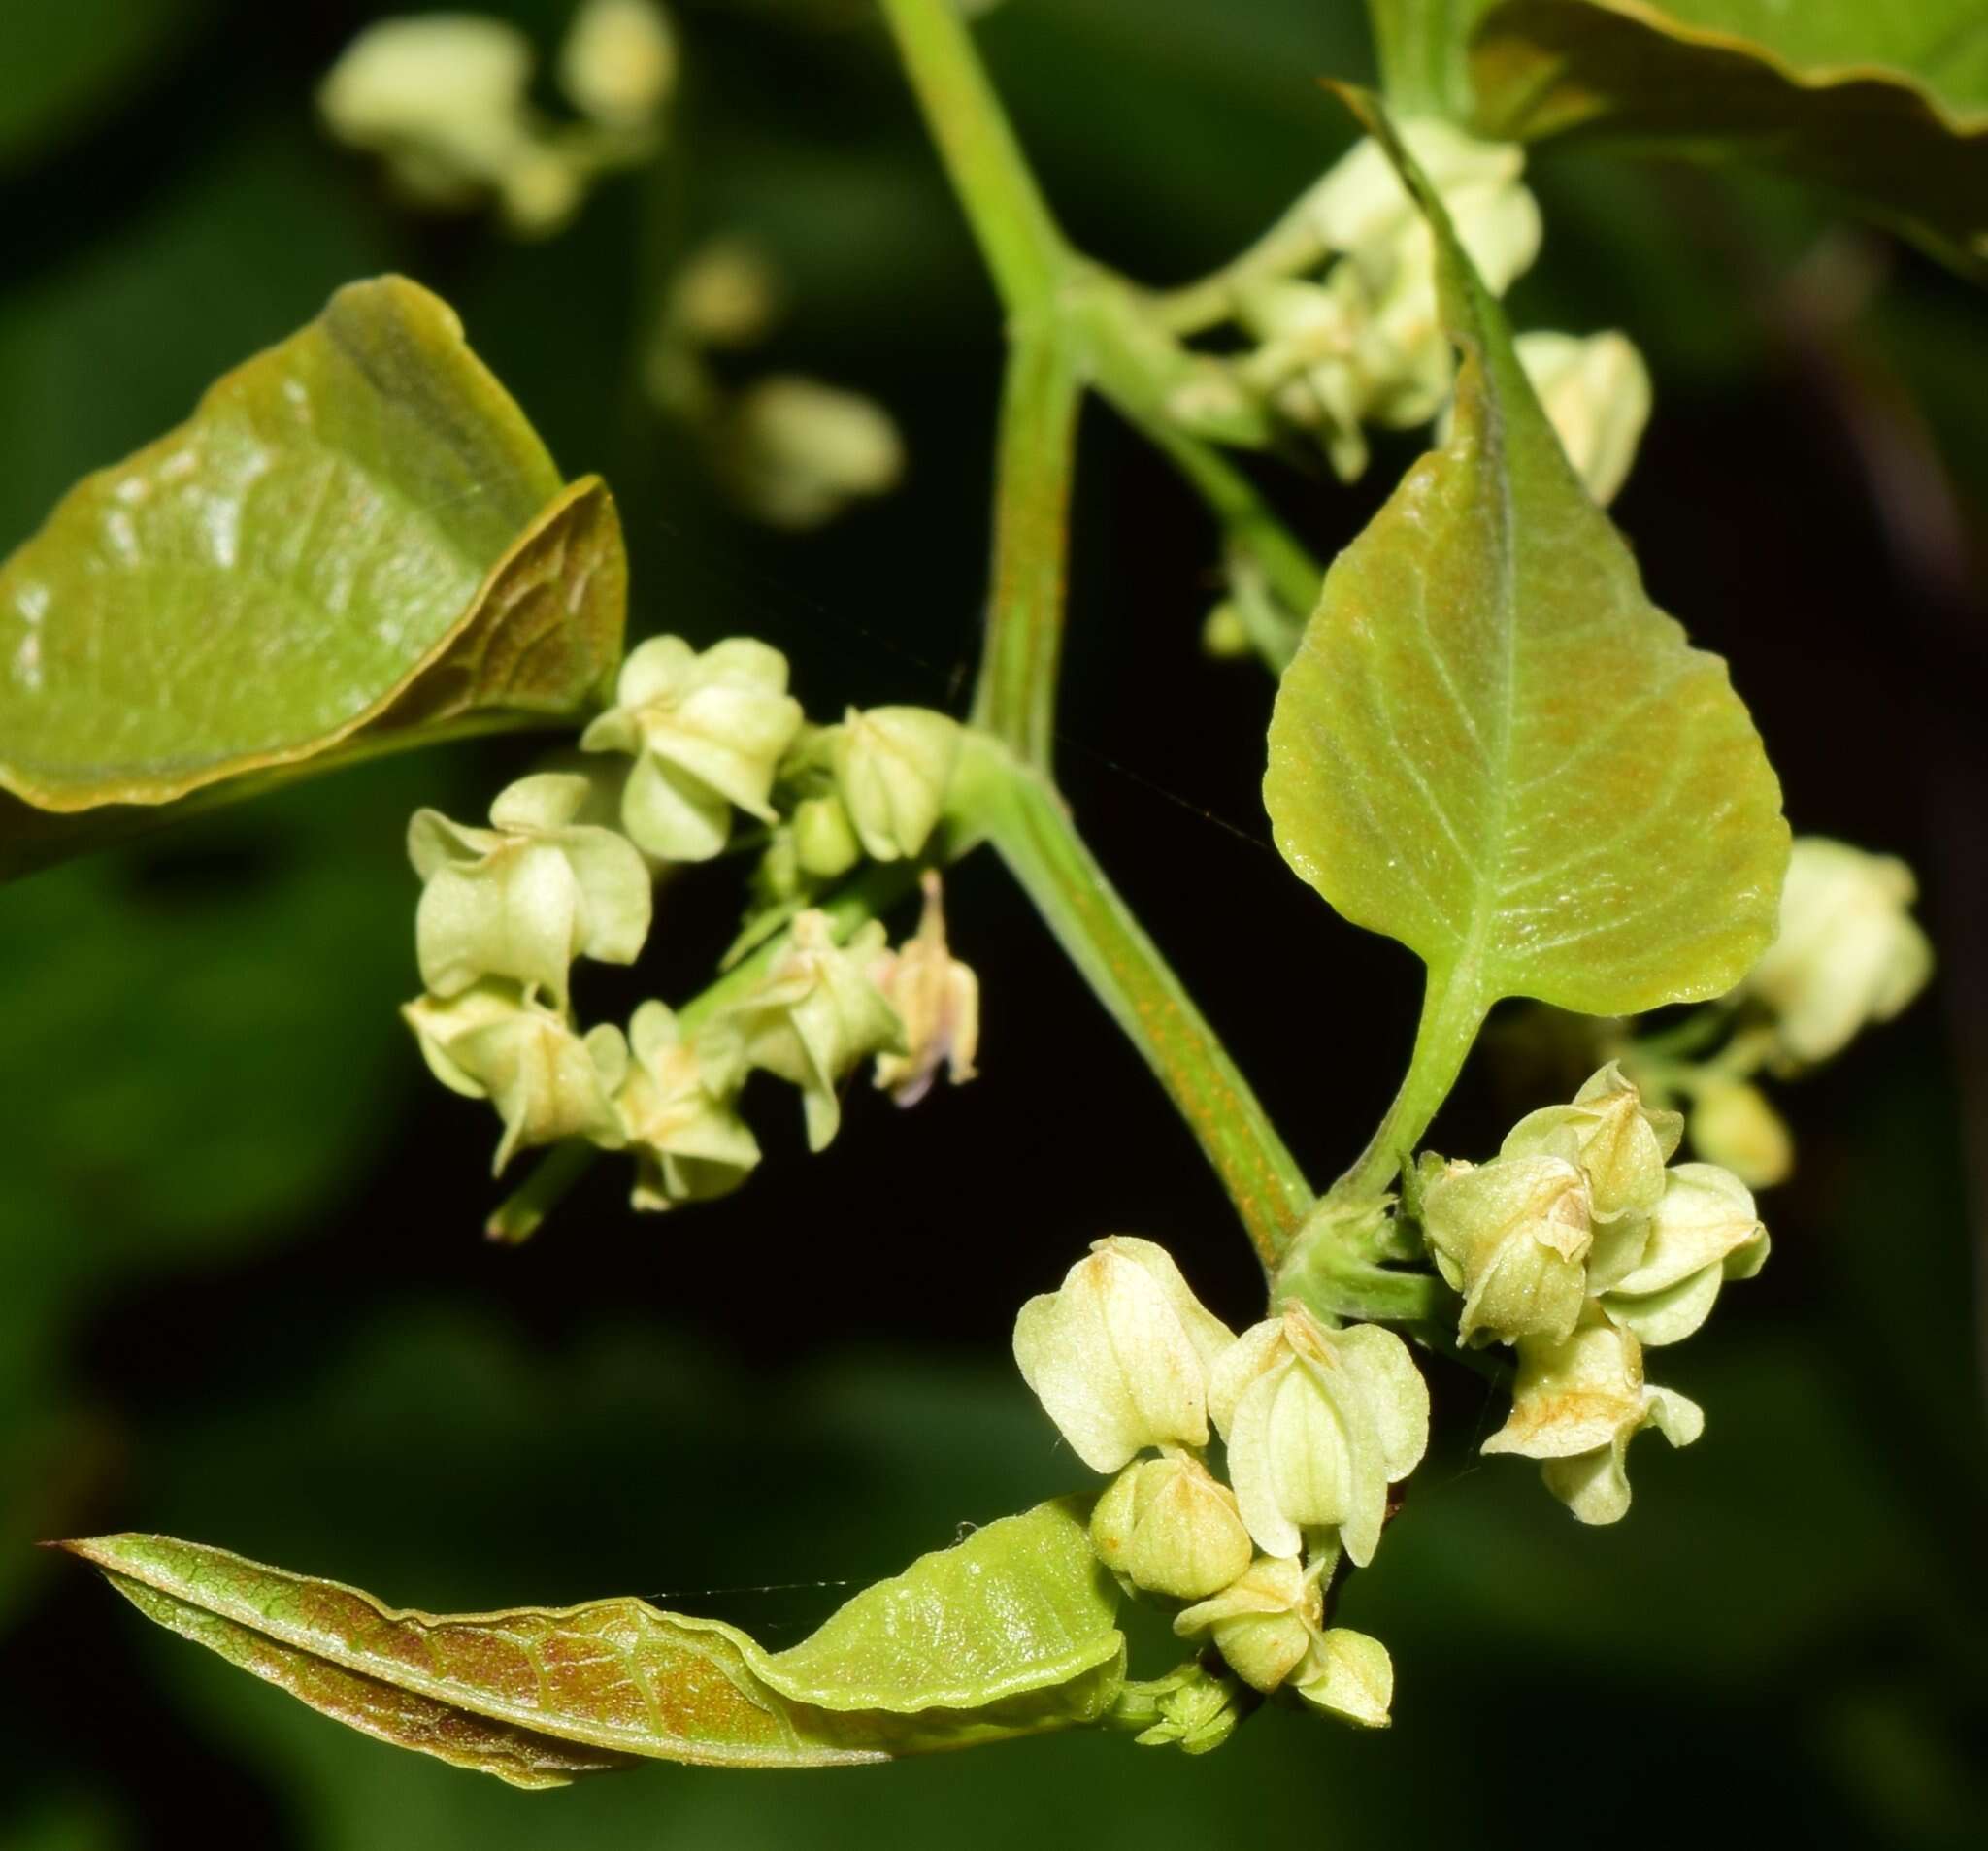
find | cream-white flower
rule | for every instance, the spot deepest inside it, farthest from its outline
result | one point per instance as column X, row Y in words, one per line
column 707, row 731
column 523, row 899
column 1318, row 1423
column 546, row 1081
column 1704, row 1232
column 1119, row 1354
column 1511, row 1235
column 1578, row 1405
column 1849, row 952
column 937, row 999
column 817, row 1012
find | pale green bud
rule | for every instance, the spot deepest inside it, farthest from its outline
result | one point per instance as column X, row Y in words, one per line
column 619, row 63
column 1194, row 1706
column 1732, row 1125
column 1849, row 951
column 689, row 1143
column 547, row 1082
column 726, row 296
column 814, row 1014
column 441, row 96
column 1596, row 393
column 539, row 190
column 801, row 451
column 825, row 845
column 893, row 766
column 1224, row 633
column 1264, row 1622
column 1704, row 1232
column 1318, row 1423
column 1511, row 1235
column 1119, row 1354
column 1578, row 1405
column 1167, row 1527
column 1618, row 1143
column 522, row 899
column 707, row 731
column 1349, row 1675
column 938, row 1001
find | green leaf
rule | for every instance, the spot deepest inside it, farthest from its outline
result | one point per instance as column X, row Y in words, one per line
column 1493, row 747
column 358, row 533
column 1886, row 106
column 1007, row 1634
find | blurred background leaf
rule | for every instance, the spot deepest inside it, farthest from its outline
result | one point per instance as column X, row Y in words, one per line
column 242, row 1295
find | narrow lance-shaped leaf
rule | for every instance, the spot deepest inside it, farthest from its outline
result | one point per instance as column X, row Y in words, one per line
column 1007, row 1634
column 357, row 534
column 1885, row 105
column 1493, row 747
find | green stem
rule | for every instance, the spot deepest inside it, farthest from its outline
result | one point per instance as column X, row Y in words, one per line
column 1016, row 696
column 1452, row 1014
column 1031, row 831
column 1420, row 48
column 1017, row 236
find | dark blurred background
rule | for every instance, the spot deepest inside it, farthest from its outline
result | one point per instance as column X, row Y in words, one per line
column 243, row 1296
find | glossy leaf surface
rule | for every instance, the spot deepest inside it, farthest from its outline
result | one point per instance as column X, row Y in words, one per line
column 356, row 529
column 1009, row 1632
column 1493, row 747
column 1884, row 105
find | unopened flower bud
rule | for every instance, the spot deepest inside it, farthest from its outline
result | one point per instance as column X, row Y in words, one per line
column 1596, row 393
column 1576, row 1407
column 1170, row 1528
column 1264, row 1622
column 825, row 845
column 1618, row 1143
column 1704, row 1232
column 1732, row 1125
column 1224, row 633
column 938, row 999
column 1349, row 1675
column 707, row 731
column 688, row 1141
column 815, row 1015
column 523, row 899
column 801, row 451
column 546, row 1082
column 1119, row 1354
column 619, row 63
column 1318, row 1423
column 893, row 766
column 1849, row 951
column 726, row 296
column 1511, row 1235
column 1193, row 1708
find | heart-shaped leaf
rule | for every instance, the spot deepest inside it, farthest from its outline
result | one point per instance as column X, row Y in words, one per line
column 1007, row 1634
column 357, row 532
column 1884, row 105
column 1493, row 747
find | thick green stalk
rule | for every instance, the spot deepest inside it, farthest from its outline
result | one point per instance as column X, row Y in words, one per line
column 1031, row 831
column 1016, row 696
column 1018, row 238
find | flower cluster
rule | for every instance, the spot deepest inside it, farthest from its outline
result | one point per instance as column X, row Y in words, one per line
column 443, row 100
column 1849, row 954
column 565, row 872
column 1581, row 1244
column 1361, row 344
column 1316, row 1424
